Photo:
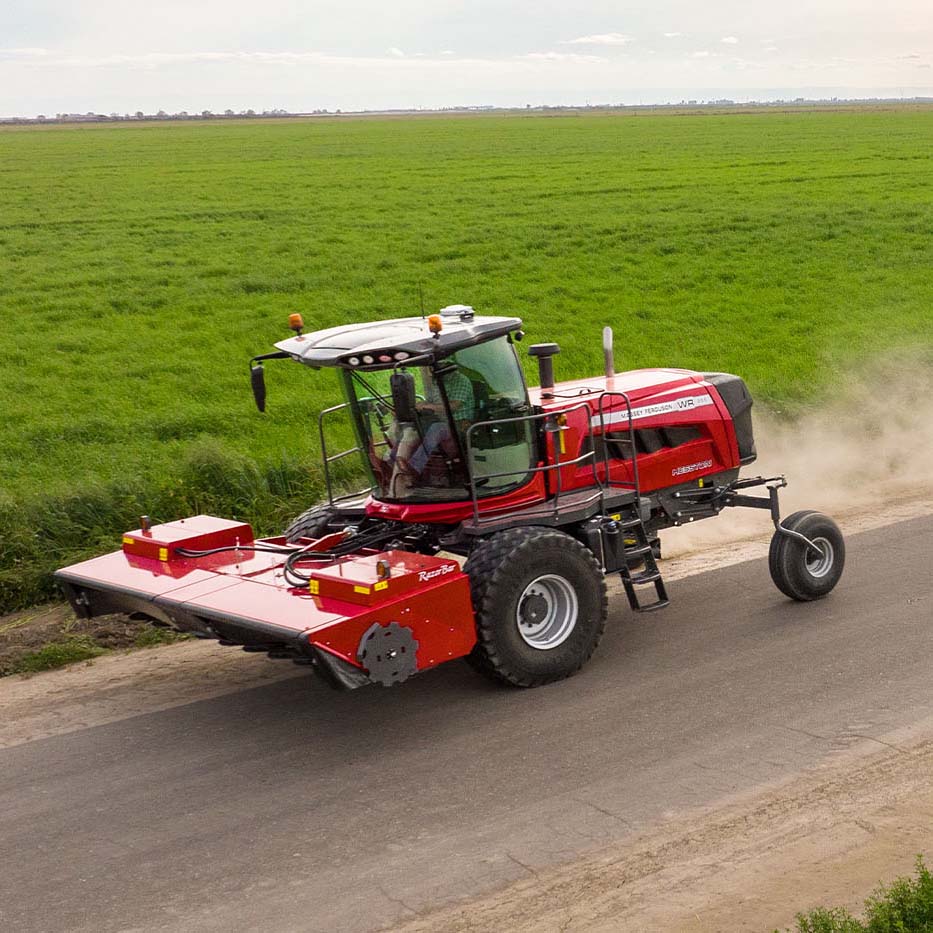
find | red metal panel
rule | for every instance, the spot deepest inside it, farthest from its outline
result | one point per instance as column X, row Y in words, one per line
column 140, row 576
column 372, row 579
column 431, row 595
column 198, row 533
column 449, row 513
column 438, row 610
column 440, row 616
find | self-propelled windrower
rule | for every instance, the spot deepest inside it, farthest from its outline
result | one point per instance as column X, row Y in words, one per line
column 492, row 516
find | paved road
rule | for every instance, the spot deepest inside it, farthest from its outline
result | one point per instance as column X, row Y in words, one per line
column 293, row 807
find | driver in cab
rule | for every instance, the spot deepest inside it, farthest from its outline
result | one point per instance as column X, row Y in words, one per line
column 413, row 451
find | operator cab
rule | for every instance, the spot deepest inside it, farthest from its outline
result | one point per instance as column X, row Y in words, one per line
column 419, row 392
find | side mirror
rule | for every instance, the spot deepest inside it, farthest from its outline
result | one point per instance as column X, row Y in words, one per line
column 403, row 396
column 257, row 377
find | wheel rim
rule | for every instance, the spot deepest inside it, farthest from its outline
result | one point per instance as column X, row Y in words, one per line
column 819, row 566
column 547, row 612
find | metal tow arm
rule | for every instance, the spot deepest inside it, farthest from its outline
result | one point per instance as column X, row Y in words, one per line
column 773, row 483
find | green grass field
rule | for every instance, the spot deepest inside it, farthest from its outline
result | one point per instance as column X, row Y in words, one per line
column 143, row 265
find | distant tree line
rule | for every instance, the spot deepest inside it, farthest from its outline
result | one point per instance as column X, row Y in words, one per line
column 92, row 117
column 139, row 115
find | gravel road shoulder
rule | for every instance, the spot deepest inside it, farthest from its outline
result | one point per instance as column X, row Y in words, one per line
column 827, row 837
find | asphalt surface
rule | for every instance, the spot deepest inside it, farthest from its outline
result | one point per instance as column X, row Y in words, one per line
column 295, row 807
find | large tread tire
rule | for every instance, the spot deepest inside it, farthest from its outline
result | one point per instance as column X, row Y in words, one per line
column 310, row 524
column 792, row 572
column 500, row 568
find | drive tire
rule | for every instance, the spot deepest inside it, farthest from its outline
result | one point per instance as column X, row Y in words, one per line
column 540, row 602
column 310, row 524
column 795, row 570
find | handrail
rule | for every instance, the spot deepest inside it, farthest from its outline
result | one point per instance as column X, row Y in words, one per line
column 631, row 433
column 601, row 484
column 557, row 465
column 328, row 459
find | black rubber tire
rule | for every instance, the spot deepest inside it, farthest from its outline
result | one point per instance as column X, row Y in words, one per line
column 787, row 557
column 310, row 524
column 499, row 568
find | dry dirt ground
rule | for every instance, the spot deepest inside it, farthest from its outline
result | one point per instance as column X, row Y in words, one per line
column 828, row 836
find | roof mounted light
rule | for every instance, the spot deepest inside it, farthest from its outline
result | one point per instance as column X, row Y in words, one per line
column 296, row 323
column 435, row 324
column 463, row 312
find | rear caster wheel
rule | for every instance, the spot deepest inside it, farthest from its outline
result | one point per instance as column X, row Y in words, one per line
column 540, row 603
column 797, row 570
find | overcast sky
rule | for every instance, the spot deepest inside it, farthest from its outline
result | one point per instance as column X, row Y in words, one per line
column 127, row 55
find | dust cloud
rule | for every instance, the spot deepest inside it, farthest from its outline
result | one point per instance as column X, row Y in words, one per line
column 869, row 446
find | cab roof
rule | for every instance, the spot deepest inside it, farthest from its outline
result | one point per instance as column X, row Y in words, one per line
column 383, row 344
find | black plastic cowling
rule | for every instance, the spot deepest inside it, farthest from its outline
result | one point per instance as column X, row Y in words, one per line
column 733, row 391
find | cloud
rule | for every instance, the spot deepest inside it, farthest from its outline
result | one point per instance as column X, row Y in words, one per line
column 151, row 60
column 672, row 35
column 23, row 53
column 729, row 40
column 703, row 54
column 770, row 48
column 447, row 52
column 606, row 38
column 393, row 58
column 910, row 55
column 562, row 57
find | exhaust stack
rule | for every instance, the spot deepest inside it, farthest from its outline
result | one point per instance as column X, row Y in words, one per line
column 544, row 353
column 607, row 352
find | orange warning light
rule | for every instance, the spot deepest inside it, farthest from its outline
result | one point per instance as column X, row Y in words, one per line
column 435, row 324
column 295, row 323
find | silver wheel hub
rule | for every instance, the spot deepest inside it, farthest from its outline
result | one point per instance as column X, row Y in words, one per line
column 818, row 565
column 547, row 611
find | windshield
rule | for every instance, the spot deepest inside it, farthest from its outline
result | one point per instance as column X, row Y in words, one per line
column 425, row 458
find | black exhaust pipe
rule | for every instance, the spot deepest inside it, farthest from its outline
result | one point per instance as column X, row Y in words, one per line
column 545, row 353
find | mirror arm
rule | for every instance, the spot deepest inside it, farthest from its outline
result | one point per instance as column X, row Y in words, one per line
column 278, row 355
column 257, row 376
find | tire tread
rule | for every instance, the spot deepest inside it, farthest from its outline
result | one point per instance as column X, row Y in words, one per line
column 487, row 568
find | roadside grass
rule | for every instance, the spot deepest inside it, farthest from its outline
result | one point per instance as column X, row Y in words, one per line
column 58, row 654
column 141, row 267
column 905, row 906
column 50, row 636
column 154, row 635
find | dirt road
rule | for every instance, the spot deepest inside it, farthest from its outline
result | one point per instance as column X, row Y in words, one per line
column 708, row 770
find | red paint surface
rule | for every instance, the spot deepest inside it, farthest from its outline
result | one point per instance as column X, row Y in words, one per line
column 716, row 447
column 430, row 595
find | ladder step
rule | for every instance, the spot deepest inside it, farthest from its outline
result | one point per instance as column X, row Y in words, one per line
column 660, row 604
column 630, row 522
column 645, row 577
column 636, row 550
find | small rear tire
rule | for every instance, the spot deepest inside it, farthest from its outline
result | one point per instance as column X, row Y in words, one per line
column 796, row 569
column 540, row 602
